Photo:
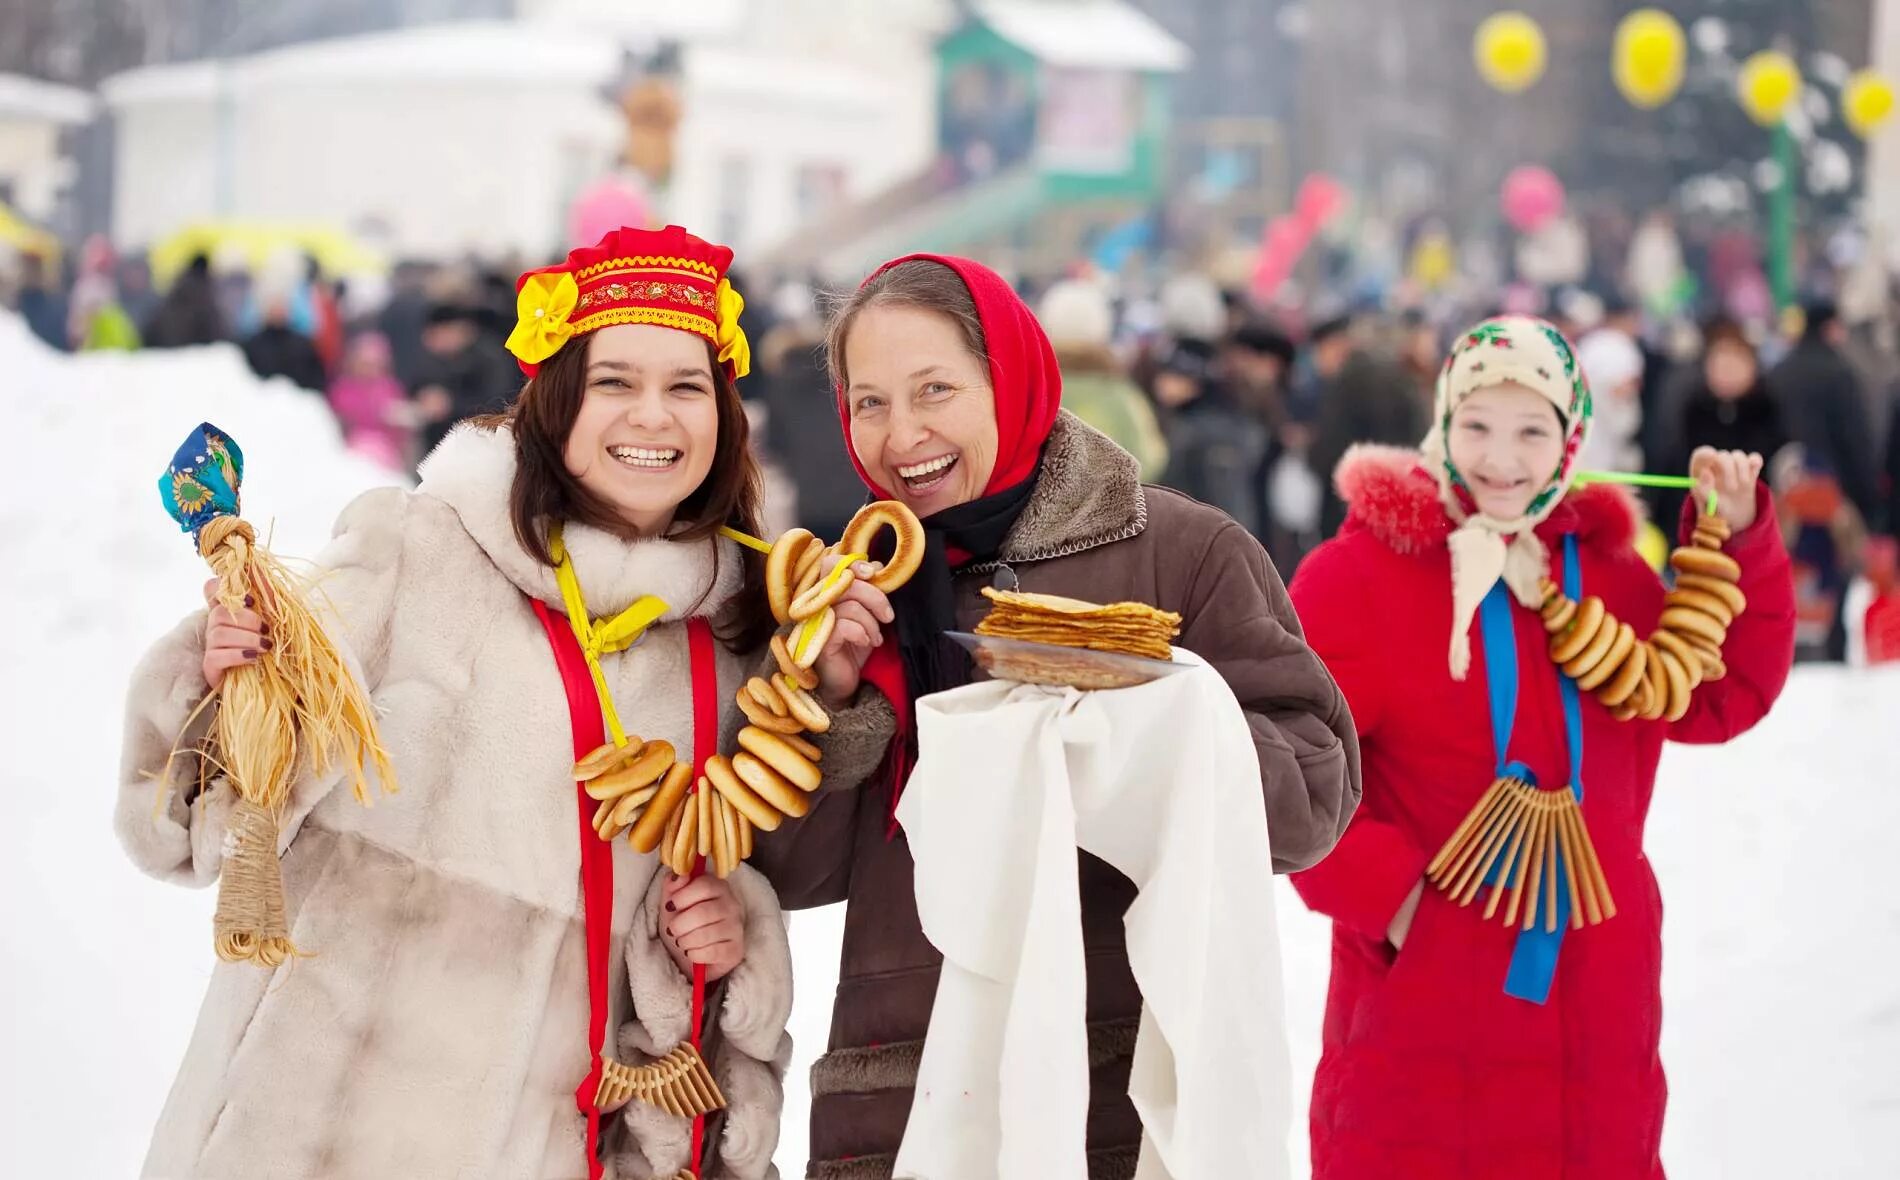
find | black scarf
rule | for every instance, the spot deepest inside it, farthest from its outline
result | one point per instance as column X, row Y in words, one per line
column 926, row 606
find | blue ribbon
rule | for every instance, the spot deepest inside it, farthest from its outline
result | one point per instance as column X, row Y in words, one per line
column 1534, row 961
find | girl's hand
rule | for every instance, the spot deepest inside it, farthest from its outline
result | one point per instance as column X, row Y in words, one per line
column 1731, row 475
column 232, row 638
column 702, row 924
column 862, row 613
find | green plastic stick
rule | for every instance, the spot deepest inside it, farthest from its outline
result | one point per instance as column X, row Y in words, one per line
column 1643, row 480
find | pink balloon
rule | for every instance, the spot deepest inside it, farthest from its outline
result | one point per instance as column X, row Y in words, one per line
column 1285, row 239
column 1531, row 198
column 1320, row 199
column 604, row 206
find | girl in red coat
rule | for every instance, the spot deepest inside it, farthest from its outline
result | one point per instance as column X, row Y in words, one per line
column 1455, row 1047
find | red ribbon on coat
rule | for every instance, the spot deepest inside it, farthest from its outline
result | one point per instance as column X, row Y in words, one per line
column 597, row 862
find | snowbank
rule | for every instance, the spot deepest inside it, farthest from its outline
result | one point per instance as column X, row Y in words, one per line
column 104, row 967
column 1783, row 946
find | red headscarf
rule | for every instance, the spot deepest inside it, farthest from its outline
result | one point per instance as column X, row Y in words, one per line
column 1028, row 387
column 1023, row 372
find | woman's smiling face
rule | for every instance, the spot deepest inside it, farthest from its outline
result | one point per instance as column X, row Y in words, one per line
column 922, row 411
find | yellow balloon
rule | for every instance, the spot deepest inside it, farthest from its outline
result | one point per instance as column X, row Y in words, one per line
column 1510, row 52
column 1648, row 59
column 1767, row 85
column 1867, row 102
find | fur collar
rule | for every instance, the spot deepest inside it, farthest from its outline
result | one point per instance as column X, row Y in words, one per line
column 1390, row 494
column 1089, row 494
column 471, row 472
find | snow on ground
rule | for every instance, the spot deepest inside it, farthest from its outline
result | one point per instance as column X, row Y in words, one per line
column 1783, row 1014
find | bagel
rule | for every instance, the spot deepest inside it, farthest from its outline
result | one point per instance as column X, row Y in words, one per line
column 907, row 554
column 1612, row 662
column 1596, row 651
column 1693, row 622
column 803, row 706
column 829, row 589
column 646, row 766
column 602, row 815
column 806, row 572
column 1689, row 598
column 729, row 821
column 686, row 841
column 779, row 754
column 813, row 636
column 716, row 838
column 743, row 827
column 704, row 800
column 763, row 717
column 1677, row 646
column 1624, row 712
column 767, row 694
column 1728, row 592
column 726, row 781
column 603, row 759
column 663, row 811
column 1657, row 682
column 1620, row 691
column 1640, row 699
column 627, row 809
column 1706, row 563
column 804, row 747
column 670, row 834
column 774, row 788
column 1677, row 678
column 780, row 565
column 1710, row 656
column 1703, row 539
column 782, row 652
column 1690, row 660
column 1569, row 645
column 1558, row 613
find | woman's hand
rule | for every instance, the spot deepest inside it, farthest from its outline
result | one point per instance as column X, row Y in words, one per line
column 1402, row 921
column 702, row 924
column 233, row 638
column 862, row 613
column 1731, row 475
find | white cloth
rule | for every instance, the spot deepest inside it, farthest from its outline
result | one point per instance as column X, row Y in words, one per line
column 1162, row 782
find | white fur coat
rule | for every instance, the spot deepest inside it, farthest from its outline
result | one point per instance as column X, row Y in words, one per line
column 439, row 1028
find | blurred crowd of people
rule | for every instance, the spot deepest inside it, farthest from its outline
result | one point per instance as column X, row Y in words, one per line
column 1244, row 408
column 401, row 358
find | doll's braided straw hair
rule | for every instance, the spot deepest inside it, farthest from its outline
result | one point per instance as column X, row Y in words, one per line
column 297, row 710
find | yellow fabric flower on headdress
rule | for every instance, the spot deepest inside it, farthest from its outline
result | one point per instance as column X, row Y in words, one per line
column 542, row 311
column 731, row 339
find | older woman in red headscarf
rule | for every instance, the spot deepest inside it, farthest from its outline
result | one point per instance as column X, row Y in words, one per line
column 951, row 401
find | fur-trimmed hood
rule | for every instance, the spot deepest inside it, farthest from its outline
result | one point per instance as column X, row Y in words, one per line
column 1389, row 493
column 472, row 470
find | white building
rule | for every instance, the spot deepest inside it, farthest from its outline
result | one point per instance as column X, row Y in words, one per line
column 33, row 117
column 476, row 136
column 437, row 140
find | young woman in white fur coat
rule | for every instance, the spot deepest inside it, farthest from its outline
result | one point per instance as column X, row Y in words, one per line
column 441, row 1027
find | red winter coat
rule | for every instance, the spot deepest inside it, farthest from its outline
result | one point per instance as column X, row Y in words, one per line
column 1429, row 1071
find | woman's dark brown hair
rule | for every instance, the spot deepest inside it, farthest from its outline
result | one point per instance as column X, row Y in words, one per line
column 919, row 283
column 544, row 491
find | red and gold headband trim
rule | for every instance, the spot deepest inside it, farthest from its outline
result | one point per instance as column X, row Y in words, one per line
column 555, row 305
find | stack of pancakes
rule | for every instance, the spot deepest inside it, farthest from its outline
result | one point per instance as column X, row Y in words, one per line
column 1123, row 628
